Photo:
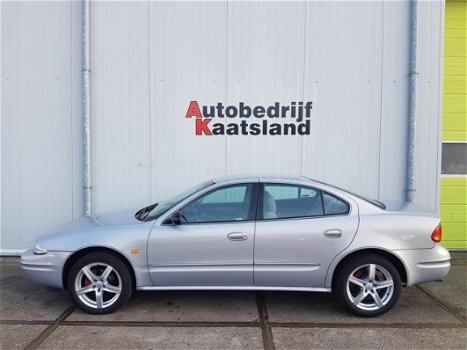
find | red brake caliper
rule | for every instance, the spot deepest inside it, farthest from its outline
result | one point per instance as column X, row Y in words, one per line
column 86, row 281
column 354, row 288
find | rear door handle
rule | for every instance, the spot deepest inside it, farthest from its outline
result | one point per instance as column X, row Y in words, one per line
column 237, row 236
column 334, row 232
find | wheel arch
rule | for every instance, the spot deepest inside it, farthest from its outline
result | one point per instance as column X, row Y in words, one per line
column 394, row 259
column 82, row 252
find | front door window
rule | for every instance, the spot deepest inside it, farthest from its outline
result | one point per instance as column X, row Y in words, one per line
column 226, row 204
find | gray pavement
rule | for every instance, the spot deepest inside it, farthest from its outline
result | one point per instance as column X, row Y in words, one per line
column 429, row 316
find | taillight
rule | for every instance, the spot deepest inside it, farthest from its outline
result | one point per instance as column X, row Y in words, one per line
column 437, row 233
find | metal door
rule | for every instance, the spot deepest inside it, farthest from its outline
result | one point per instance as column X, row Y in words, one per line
column 214, row 253
column 296, row 252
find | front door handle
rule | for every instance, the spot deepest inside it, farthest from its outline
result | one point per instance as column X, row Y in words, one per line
column 237, row 236
column 333, row 233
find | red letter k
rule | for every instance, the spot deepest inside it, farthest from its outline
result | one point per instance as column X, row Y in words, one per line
column 202, row 127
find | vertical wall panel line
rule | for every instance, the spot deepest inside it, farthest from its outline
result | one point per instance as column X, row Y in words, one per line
column 226, row 80
column 72, row 189
column 1, row 113
column 149, row 98
column 381, row 101
column 303, row 84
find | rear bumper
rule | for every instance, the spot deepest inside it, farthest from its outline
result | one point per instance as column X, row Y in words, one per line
column 425, row 265
column 44, row 269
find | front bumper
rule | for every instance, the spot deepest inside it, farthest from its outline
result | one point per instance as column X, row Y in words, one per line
column 44, row 269
column 425, row 265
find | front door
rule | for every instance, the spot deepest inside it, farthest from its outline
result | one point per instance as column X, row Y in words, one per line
column 213, row 245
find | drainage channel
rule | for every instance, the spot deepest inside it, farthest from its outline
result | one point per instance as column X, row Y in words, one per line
column 268, row 341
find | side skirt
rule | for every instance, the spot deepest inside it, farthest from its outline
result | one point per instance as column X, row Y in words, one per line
column 296, row 289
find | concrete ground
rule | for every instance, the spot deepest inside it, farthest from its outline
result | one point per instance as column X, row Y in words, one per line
column 428, row 316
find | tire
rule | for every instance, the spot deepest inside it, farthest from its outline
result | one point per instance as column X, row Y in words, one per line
column 368, row 285
column 99, row 283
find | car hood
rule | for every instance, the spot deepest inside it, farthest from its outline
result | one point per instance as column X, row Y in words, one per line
column 116, row 229
column 86, row 223
column 121, row 217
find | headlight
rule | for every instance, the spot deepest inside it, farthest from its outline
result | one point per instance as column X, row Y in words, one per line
column 38, row 250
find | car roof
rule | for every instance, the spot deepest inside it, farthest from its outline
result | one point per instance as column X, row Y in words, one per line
column 260, row 178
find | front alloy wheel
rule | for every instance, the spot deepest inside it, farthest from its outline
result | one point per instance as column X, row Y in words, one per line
column 368, row 285
column 99, row 283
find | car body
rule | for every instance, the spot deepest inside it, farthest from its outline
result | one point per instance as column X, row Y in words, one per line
column 245, row 233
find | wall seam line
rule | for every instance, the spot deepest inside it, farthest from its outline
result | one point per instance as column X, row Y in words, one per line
column 149, row 100
column 303, row 84
column 226, row 80
column 71, row 115
column 381, row 103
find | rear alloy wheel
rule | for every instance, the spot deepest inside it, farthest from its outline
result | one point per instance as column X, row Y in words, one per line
column 368, row 285
column 99, row 283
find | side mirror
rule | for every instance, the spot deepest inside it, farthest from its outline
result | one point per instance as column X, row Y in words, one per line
column 176, row 218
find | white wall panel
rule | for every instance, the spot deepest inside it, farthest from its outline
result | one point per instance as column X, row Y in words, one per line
column 343, row 78
column 394, row 103
column 38, row 85
column 120, row 105
column 265, row 65
column 188, row 62
column 429, row 100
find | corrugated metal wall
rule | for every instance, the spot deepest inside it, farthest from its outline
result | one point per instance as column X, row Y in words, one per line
column 150, row 59
column 40, row 119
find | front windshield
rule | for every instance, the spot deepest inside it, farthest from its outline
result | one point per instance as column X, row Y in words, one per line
column 153, row 211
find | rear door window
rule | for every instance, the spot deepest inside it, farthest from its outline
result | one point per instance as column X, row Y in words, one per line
column 291, row 201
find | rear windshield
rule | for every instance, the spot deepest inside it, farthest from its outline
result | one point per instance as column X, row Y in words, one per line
column 371, row 201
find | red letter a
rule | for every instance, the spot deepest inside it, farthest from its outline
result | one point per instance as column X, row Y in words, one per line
column 193, row 110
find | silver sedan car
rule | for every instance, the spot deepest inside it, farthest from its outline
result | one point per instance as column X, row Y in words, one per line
column 245, row 233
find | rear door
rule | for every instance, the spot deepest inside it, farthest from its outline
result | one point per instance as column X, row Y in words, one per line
column 299, row 230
